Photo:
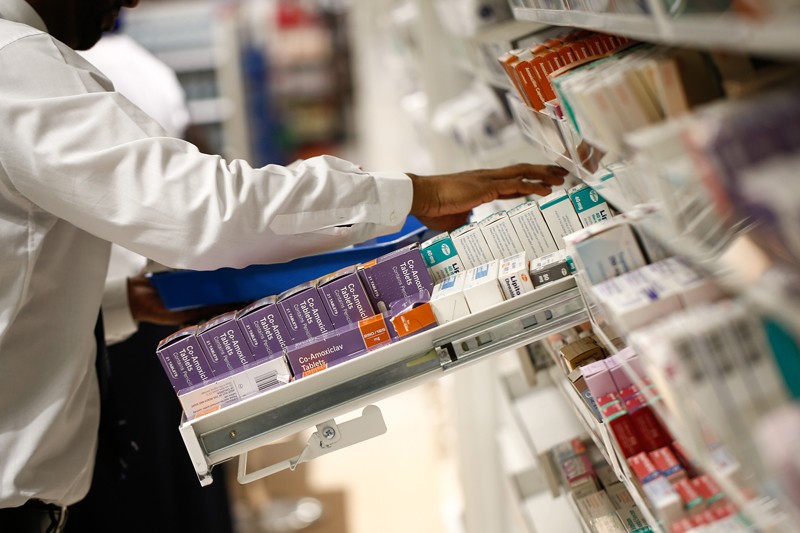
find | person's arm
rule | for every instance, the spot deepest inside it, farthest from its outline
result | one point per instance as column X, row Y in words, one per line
column 92, row 158
column 445, row 202
column 145, row 305
column 118, row 320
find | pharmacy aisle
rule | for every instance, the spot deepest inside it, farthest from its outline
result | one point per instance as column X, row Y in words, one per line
column 618, row 356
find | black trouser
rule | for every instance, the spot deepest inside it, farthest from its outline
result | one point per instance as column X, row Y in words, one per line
column 34, row 517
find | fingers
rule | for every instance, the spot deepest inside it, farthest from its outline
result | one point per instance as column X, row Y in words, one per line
column 536, row 189
column 547, row 174
column 445, row 222
column 515, row 187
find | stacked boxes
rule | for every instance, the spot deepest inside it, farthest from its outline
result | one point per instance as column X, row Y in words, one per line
column 351, row 311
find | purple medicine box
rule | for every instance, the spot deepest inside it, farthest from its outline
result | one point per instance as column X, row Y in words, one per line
column 394, row 276
column 263, row 326
column 344, row 297
column 183, row 360
column 304, row 313
column 338, row 346
column 224, row 344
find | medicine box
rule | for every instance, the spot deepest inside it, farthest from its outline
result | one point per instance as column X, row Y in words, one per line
column 560, row 216
column 337, row 346
column 636, row 300
column 532, row 230
column 233, row 387
column 394, row 276
column 514, row 276
column 471, row 245
column 224, row 343
column 441, row 257
column 412, row 315
column 264, row 329
column 448, row 299
column 550, row 267
column 304, row 313
column 481, row 287
column 605, row 250
column 344, row 297
column 500, row 235
column 589, row 205
column 183, row 359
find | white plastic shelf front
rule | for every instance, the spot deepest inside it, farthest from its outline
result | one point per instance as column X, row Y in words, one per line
column 356, row 384
column 774, row 37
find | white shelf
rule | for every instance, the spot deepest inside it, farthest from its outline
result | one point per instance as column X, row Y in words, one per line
column 189, row 60
column 552, row 514
column 209, row 110
column 777, row 37
column 547, row 419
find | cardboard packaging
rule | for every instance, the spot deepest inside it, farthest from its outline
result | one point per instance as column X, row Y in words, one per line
column 229, row 389
column 264, row 329
column 224, row 344
column 532, row 230
column 338, row 346
column 481, row 286
column 589, row 205
column 666, row 463
column 413, row 314
column 665, row 500
column 448, row 301
column 582, row 351
column 605, row 250
column 514, row 276
column 394, row 276
column 560, row 216
column 550, row 267
column 304, row 313
column 636, row 300
column 576, row 378
column 471, row 245
column 500, row 235
column 441, row 257
column 183, row 359
column 344, row 297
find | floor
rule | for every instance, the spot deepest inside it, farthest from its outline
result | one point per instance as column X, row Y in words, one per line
column 394, row 483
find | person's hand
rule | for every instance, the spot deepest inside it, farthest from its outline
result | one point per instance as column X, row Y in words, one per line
column 146, row 306
column 444, row 202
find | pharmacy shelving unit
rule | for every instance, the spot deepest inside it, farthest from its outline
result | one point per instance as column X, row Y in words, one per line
column 200, row 44
column 716, row 256
column 776, row 37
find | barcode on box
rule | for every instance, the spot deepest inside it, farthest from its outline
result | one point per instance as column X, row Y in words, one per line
column 267, row 381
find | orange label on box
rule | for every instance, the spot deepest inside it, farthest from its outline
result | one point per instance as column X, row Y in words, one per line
column 318, row 368
column 374, row 331
column 414, row 320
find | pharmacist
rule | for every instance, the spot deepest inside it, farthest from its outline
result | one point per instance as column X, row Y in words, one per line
column 80, row 168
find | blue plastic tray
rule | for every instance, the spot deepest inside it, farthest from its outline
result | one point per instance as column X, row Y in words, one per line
column 183, row 289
